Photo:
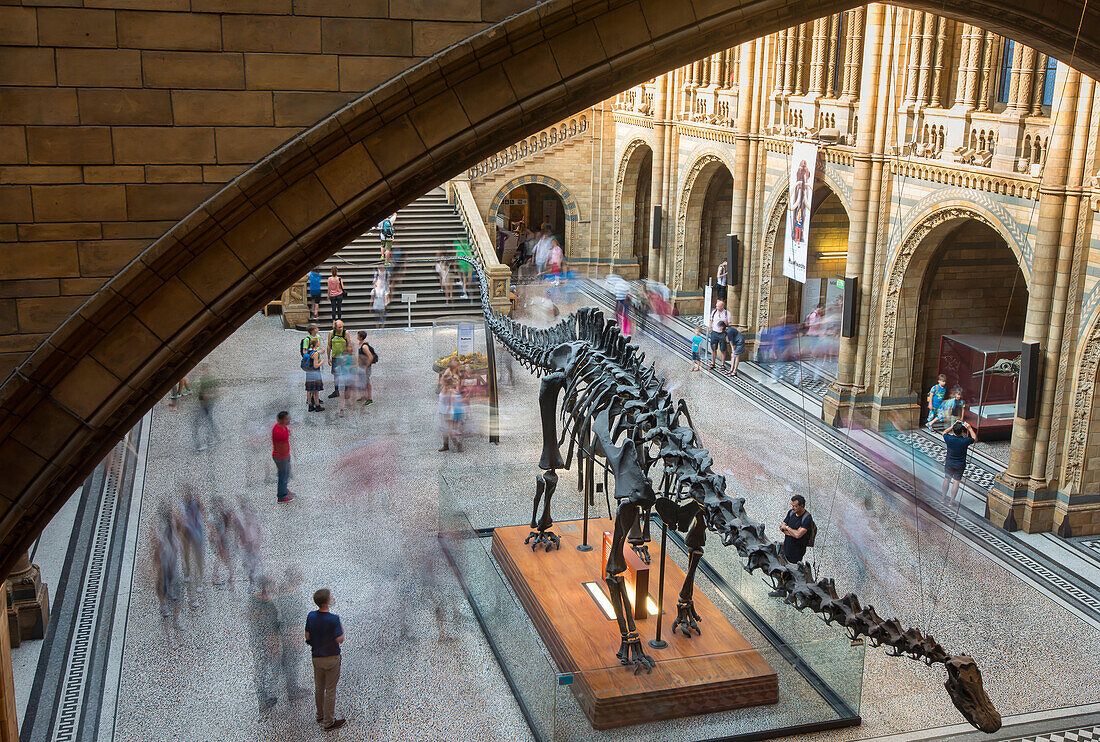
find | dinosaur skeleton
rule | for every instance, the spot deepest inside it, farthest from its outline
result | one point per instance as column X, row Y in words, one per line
column 616, row 406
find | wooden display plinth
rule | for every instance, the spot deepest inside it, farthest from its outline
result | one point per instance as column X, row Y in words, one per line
column 714, row 672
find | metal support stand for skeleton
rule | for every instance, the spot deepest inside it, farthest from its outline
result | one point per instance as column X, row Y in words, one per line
column 658, row 642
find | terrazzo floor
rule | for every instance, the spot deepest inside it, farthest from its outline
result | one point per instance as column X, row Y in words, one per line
column 416, row 665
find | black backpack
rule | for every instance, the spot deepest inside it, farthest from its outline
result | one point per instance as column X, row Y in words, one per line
column 373, row 352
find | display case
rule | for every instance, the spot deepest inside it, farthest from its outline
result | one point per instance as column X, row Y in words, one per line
column 987, row 368
column 816, row 671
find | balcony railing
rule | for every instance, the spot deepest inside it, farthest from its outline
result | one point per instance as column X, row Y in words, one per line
column 533, row 144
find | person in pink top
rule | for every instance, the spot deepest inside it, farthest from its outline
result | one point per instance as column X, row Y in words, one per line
column 336, row 294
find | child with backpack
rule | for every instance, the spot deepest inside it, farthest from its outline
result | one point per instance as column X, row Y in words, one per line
column 311, row 364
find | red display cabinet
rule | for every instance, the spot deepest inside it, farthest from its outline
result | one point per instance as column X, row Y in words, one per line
column 987, row 368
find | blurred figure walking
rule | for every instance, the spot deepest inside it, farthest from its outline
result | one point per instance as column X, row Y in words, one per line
column 223, row 527
column 263, row 624
column 204, row 432
column 324, row 635
column 166, row 550
column 366, row 358
column 193, row 535
column 280, row 453
column 290, row 641
column 250, row 535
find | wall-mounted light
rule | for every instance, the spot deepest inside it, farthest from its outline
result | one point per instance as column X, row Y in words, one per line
column 832, row 254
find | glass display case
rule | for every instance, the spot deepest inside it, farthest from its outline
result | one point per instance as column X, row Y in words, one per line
column 819, row 670
column 987, row 369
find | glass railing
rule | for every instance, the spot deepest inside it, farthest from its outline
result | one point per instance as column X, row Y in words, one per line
column 772, row 671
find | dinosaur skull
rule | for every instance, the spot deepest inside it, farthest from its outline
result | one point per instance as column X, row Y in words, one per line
column 964, row 684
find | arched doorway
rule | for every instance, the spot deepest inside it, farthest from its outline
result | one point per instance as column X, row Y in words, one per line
column 791, row 301
column 630, row 236
column 706, row 212
column 955, row 302
column 537, row 201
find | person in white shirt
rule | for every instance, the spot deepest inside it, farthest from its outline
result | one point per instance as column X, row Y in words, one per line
column 719, row 316
column 723, row 272
column 542, row 252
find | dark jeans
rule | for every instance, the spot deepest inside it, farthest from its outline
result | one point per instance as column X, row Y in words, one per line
column 282, row 466
column 337, row 306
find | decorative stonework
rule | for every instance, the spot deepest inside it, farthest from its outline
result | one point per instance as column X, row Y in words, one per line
column 572, row 210
column 1081, row 410
column 681, row 213
column 544, row 140
column 620, row 179
column 776, row 214
column 622, row 117
column 895, row 280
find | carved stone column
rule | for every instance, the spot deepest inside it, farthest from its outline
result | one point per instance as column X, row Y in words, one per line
column 878, row 48
column 989, row 42
column 927, row 39
column 800, row 62
column 716, row 69
column 942, row 38
column 789, row 56
column 1037, row 86
column 1014, row 79
column 831, row 55
column 28, row 602
column 855, row 59
column 738, row 304
column 1027, row 78
column 1011, row 488
column 818, row 49
column 968, row 69
column 912, row 63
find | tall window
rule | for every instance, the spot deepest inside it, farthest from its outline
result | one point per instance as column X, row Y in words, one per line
column 1006, row 71
column 838, row 56
column 1048, row 81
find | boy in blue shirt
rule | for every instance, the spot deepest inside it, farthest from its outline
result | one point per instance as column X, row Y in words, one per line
column 697, row 347
column 935, row 399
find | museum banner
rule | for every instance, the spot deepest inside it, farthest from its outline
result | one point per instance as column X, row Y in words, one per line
column 799, row 199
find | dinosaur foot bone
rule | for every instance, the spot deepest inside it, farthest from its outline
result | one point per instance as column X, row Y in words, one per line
column 547, row 539
column 687, row 620
column 643, row 552
column 631, row 653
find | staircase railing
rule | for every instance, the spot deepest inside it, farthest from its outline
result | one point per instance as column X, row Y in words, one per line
column 533, row 144
column 500, row 275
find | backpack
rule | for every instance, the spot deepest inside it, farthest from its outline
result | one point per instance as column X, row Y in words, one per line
column 307, row 360
column 387, row 229
column 373, row 353
column 339, row 343
column 303, row 347
column 813, row 533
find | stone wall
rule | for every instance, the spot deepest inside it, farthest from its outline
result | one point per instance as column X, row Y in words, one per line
column 120, row 117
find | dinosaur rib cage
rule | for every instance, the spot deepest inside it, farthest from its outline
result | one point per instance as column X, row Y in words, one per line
column 605, row 373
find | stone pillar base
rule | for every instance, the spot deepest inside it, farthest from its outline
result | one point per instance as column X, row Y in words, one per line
column 841, row 400
column 901, row 415
column 28, row 606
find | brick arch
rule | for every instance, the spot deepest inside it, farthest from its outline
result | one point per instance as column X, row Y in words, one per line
column 626, row 181
column 903, row 278
column 696, row 183
column 93, row 377
column 572, row 209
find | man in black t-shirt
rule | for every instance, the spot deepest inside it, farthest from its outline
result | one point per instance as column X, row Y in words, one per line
column 324, row 635
column 797, row 529
column 957, row 439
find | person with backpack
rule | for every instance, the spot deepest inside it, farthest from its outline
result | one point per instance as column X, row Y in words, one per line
column 385, row 234
column 314, row 285
column 366, row 357
column 303, row 346
column 311, row 364
column 337, row 346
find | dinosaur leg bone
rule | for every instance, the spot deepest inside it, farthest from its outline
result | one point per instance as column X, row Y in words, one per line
column 687, row 619
column 630, row 650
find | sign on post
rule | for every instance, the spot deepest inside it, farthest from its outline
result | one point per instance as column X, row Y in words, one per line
column 465, row 339
column 409, row 298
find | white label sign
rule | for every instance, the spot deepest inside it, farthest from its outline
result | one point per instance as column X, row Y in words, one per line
column 799, row 199
column 465, row 339
column 408, row 297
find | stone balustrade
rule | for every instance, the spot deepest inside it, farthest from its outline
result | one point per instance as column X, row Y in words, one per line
column 459, row 194
column 543, row 140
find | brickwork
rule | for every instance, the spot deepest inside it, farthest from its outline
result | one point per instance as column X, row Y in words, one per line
column 117, row 121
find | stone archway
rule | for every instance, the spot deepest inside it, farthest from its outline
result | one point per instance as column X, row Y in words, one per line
column 688, row 214
column 94, row 376
column 625, row 218
column 901, row 294
column 569, row 203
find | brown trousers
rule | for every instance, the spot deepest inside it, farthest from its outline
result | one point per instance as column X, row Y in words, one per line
column 326, row 673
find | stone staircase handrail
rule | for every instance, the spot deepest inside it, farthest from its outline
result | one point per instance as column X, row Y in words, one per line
column 500, row 275
column 533, row 144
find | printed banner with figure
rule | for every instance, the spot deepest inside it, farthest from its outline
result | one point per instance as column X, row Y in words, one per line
column 800, row 196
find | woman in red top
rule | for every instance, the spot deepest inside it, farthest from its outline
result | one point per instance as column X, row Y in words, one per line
column 280, row 452
column 336, row 294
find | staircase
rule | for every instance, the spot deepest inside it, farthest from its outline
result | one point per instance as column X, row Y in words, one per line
column 426, row 226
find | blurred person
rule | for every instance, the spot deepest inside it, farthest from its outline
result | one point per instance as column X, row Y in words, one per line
column 463, row 268
column 263, row 624
column 304, row 343
column 181, row 389
column 347, row 374
column 336, row 293
column 696, row 344
column 444, row 272
column 192, row 530
column 315, row 383
column 204, row 432
column 951, row 409
column 719, row 320
column 337, row 346
column 324, row 635
column 280, row 453
column 934, row 398
column 287, row 607
column 366, row 358
column 513, row 297
column 958, row 439
column 250, row 536
column 380, row 297
column 166, row 551
column 313, row 282
column 555, row 260
column 798, row 529
column 720, row 281
column 448, row 383
column 542, row 251
column 222, row 530
column 618, row 286
column 386, row 229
